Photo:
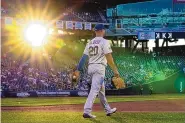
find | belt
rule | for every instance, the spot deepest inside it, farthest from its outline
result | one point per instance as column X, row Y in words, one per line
column 98, row 63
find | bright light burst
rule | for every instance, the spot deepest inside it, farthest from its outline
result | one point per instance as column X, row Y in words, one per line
column 35, row 34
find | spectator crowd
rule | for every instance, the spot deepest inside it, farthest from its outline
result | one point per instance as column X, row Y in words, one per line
column 134, row 68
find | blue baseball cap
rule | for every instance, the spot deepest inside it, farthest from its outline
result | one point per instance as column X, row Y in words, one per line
column 99, row 27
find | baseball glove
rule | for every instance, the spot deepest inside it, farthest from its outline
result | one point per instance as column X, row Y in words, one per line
column 75, row 76
column 118, row 82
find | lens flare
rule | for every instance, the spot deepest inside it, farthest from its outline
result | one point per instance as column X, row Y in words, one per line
column 36, row 34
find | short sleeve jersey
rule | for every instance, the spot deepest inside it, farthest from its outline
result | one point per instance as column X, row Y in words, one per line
column 96, row 50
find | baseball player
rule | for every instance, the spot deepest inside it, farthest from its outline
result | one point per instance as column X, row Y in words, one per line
column 98, row 51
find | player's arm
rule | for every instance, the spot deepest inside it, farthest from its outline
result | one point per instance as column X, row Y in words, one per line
column 82, row 62
column 111, row 63
column 81, row 65
column 108, row 54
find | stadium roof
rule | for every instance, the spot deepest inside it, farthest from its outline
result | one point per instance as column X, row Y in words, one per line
column 56, row 6
column 106, row 3
column 61, row 3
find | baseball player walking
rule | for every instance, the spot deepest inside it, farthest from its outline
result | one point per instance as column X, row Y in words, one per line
column 98, row 51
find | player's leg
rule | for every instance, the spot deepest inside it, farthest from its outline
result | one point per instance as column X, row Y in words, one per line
column 95, row 88
column 103, row 99
column 104, row 102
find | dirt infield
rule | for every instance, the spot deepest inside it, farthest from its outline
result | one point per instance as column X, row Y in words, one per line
column 139, row 106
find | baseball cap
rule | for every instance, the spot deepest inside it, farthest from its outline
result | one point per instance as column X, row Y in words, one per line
column 99, row 27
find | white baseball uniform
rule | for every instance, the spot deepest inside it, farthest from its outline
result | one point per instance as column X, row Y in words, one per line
column 96, row 50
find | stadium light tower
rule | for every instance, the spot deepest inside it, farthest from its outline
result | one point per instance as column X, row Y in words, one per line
column 35, row 34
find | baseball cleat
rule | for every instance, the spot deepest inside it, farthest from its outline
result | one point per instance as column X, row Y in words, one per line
column 112, row 111
column 89, row 116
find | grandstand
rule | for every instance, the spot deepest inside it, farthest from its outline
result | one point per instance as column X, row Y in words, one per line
column 88, row 12
column 128, row 19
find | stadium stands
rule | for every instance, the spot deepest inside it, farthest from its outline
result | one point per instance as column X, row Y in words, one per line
column 26, row 78
column 69, row 14
column 146, row 8
column 130, row 18
column 135, row 69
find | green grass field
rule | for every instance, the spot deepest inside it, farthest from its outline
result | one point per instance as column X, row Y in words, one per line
column 76, row 117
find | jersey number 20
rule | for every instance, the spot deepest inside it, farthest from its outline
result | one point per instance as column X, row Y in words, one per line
column 93, row 50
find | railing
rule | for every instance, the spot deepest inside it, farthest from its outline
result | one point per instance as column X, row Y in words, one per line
column 102, row 16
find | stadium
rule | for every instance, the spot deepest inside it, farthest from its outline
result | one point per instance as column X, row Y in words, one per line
column 42, row 42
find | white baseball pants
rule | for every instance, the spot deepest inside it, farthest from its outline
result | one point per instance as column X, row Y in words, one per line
column 97, row 71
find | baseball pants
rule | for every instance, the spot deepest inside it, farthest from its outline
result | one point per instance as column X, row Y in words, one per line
column 97, row 71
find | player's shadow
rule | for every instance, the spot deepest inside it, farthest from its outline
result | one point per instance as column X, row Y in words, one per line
column 118, row 118
column 95, row 120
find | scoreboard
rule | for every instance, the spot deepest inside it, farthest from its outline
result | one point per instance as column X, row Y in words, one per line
column 169, row 35
column 160, row 35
